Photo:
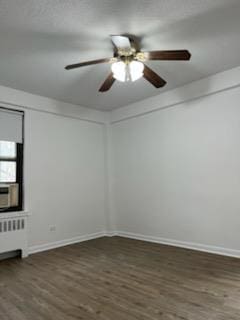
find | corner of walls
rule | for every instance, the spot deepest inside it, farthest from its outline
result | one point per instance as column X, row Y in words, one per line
column 109, row 167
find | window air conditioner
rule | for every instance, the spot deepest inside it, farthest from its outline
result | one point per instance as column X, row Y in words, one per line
column 4, row 196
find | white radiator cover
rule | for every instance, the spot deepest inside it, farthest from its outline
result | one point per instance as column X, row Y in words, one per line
column 13, row 233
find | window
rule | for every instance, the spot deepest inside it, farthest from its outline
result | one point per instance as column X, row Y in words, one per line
column 8, row 161
column 11, row 160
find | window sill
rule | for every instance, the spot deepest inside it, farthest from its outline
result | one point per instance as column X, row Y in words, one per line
column 14, row 214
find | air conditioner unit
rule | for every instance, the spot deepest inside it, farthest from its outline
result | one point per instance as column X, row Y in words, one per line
column 13, row 194
column 4, row 196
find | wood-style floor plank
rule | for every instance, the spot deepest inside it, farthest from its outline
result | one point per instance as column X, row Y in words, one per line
column 120, row 279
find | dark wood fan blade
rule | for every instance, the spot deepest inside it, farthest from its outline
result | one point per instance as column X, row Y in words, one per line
column 153, row 77
column 168, row 55
column 107, row 83
column 87, row 63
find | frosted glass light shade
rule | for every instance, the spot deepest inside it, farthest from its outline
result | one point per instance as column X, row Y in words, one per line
column 119, row 71
column 136, row 70
column 124, row 72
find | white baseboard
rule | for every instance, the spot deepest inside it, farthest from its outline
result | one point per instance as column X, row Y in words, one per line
column 187, row 245
column 170, row 242
column 111, row 233
column 66, row 242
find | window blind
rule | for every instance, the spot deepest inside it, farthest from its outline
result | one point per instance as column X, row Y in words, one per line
column 11, row 125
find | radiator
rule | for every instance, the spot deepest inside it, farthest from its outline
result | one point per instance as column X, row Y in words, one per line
column 13, row 233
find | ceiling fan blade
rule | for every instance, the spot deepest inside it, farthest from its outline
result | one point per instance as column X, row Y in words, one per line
column 153, row 77
column 88, row 63
column 168, row 55
column 121, row 42
column 107, row 84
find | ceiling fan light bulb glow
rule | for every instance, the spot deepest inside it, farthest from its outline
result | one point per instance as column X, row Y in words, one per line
column 136, row 70
column 127, row 72
column 119, row 71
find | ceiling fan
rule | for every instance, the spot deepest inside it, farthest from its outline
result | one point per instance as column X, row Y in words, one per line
column 127, row 63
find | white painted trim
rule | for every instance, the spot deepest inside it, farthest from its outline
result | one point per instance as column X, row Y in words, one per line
column 111, row 234
column 66, row 242
column 14, row 214
column 182, row 244
column 175, row 243
column 20, row 100
column 219, row 82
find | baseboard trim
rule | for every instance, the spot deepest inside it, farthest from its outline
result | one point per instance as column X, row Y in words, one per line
column 111, row 234
column 66, row 242
column 182, row 244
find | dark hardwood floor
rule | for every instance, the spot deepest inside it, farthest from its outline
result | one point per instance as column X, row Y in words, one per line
column 120, row 279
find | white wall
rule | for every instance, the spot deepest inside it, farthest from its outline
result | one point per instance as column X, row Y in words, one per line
column 64, row 177
column 177, row 172
column 65, row 169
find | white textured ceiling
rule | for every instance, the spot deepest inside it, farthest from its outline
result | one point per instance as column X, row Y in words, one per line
column 39, row 37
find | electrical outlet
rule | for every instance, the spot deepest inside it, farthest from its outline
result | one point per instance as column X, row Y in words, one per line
column 52, row 228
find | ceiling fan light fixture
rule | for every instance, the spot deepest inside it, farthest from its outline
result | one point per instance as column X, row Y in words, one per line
column 127, row 71
column 128, row 62
column 119, row 71
column 136, row 70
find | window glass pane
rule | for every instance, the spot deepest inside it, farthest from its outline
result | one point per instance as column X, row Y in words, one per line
column 7, row 171
column 7, row 149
